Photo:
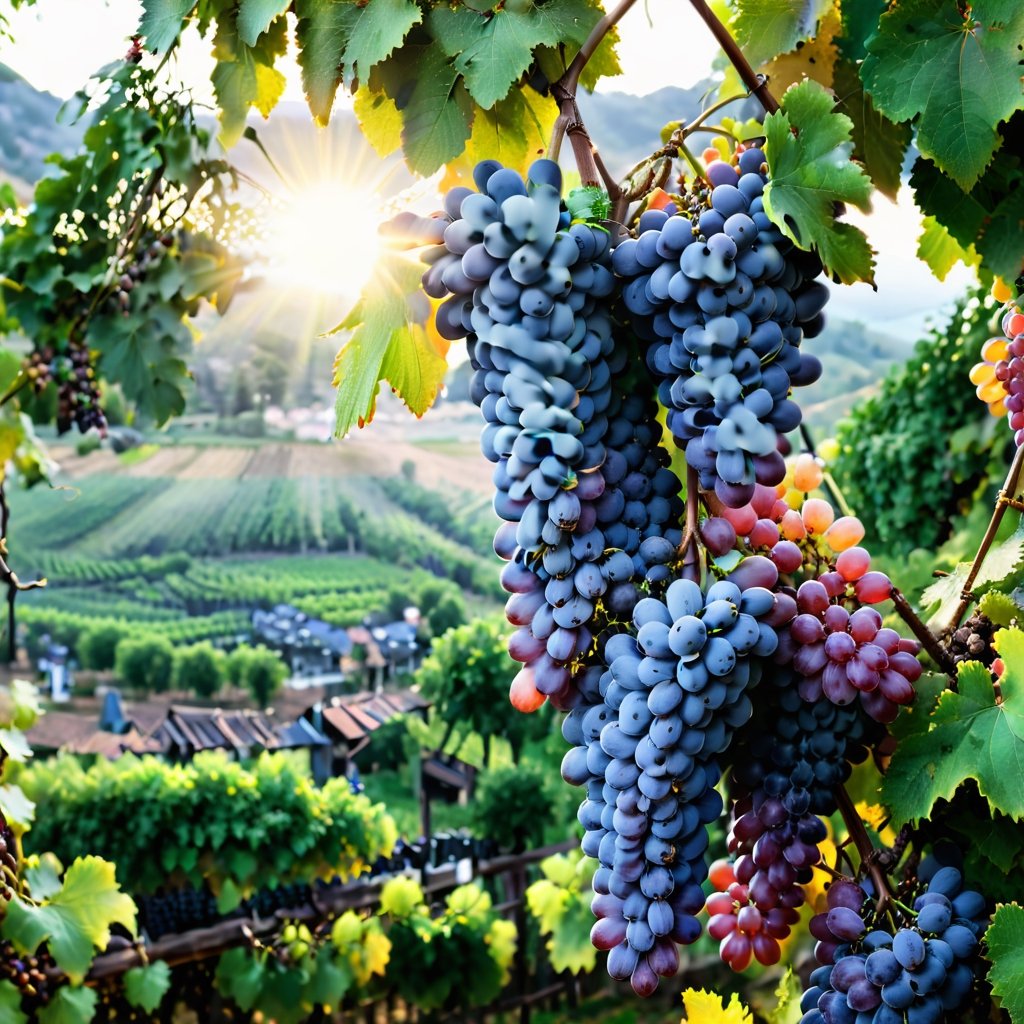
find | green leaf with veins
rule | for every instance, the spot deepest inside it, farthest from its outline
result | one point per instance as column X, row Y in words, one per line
column 255, row 16
column 766, row 28
column 75, row 921
column 146, row 987
column 955, row 68
column 161, row 22
column 492, row 52
column 386, row 344
column 971, row 735
column 377, row 31
column 878, row 143
column 323, row 31
column 70, row 1006
column 812, row 170
column 1004, row 943
column 860, row 23
column 437, row 118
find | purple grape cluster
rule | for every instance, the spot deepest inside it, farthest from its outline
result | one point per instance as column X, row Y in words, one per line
column 914, row 973
column 724, row 299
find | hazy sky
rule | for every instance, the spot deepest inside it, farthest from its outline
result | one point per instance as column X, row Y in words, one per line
column 59, row 43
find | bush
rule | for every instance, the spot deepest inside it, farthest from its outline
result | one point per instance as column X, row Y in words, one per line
column 145, row 663
column 257, row 669
column 97, row 647
column 199, row 668
column 260, row 824
column 512, row 806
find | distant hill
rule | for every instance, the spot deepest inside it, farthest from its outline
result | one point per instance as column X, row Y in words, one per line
column 29, row 131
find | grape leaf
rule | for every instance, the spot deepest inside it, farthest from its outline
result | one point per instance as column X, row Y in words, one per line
column 16, row 808
column 878, row 143
column 815, row 59
column 436, row 120
column 860, row 23
column 255, row 16
column 547, row 901
column 10, row 1004
column 322, row 32
column 766, row 28
column 1002, row 561
column 245, row 77
column 492, row 51
column 972, row 735
column 955, row 69
column 988, row 217
column 940, row 250
column 1000, row 608
column 400, row 897
column 1005, row 948
column 146, row 986
column 161, row 22
column 810, row 172
column 69, row 1006
column 240, row 976
column 330, row 981
column 75, row 920
column 379, row 119
column 570, row 947
column 380, row 28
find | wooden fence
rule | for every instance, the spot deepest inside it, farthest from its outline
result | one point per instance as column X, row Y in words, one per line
column 534, row 981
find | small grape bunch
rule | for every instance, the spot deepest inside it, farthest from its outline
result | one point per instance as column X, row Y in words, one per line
column 915, row 972
column 7, row 859
column 746, row 930
column 999, row 376
column 973, row 641
column 78, row 397
column 38, row 368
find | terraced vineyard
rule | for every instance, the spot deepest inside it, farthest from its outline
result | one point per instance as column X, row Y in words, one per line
column 189, row 540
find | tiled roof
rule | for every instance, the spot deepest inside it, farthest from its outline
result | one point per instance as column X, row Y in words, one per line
column 354, row 717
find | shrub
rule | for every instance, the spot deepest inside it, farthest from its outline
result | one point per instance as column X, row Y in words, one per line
column 97, row 647
column 199, row 668
column 145, row 663
column 512, row 806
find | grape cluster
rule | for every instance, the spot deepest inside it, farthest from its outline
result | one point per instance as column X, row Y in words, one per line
column 78, row 397
column 582, row 485
column 8, row 847
column 646, row 743
column 849, row 656
column 177, row 911
column 915, row 973
column 746, row 930
column 999, row 377
column 973, row 641
column 794, row 756
column 724, row 300
column 28, row 974
column 135, row 270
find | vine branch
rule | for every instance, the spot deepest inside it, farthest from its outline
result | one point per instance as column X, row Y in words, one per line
column 927, row 638
column 756, row 83
column 1007, row 495
column 865, row 848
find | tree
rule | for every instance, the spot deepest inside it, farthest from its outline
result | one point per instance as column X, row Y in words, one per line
column 97, row 647
column 513, row 806
column 145, row 663
column 200, row 668
column 443, row 605
column 257, row 669
column 467, row 676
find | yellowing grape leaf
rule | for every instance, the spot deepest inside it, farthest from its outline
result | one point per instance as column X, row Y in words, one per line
column 546, row 901
column 569, row 946
column 814, row 59
column 710, row 1008
column 1005, row 948
column 146, row 986
column 941, row 251
column 400, row 897
column 379, row 119
column 1000, row 608
column 76, row 920
column 766, row 28
column 808, row 148
column 955, row 68
column 376, row 953
column 501, row 939
column 971, row 734
column 387, row 343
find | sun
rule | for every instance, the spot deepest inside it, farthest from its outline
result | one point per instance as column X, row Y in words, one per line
column 322, row 237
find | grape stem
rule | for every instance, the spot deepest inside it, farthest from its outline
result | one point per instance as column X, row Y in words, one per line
column 1008, row 494
column 569, row 121
column 927, row 638
column 865, row 848
column 10, row 578
column 689, row 547
column 757, row 84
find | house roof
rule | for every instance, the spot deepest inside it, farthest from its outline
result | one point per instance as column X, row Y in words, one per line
column 354, row 717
